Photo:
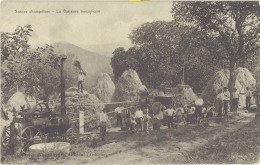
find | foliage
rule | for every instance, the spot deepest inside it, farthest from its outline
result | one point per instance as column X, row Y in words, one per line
column 36, row 71
column 160, row 53
column 228, row 30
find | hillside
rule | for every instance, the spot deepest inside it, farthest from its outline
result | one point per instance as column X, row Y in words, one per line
column 91, row 62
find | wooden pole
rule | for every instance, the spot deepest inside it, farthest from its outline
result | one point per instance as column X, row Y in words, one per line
column 81, row 122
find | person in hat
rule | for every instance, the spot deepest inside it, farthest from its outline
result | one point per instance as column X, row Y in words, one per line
column 103, row 118
column 226, row 98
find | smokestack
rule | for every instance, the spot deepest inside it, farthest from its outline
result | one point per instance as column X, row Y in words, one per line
column 62, row 87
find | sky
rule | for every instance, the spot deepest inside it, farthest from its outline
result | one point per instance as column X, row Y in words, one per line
column 111, row 24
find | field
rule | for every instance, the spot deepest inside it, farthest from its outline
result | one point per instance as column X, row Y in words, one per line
column 233, row 141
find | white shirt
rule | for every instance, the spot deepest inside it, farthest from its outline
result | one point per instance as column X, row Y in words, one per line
column 169, row 112
column 226, row 95
column 158, row 116
column 81, row 77
column 199, row 102
column 119, row 109
column 103, row 117
column 248, row 94
column 220, row 96
column 139, row 114
column 236, row 95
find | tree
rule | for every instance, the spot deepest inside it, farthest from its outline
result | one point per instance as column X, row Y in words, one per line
column 36, row 71
column 228, row 30
column 159, row 54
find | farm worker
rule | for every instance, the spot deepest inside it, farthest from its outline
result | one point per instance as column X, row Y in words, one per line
column 169, row 114
column 139, row 116
column 198, row 103
column 180, row 114
column 235, row 99
column 157, row 120
column 81, row 78
column 119, row 111
column 103, row 118
column 219, row 102
column 146, row 120
column 248, row 97
column 226, row 97
column 210, row 110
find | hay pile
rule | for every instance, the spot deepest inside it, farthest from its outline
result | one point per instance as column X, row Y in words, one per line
column 105, row 88
column 186, row 94
column 86, row 102
column 220, row 80
column 189, row 96
column 128, row 87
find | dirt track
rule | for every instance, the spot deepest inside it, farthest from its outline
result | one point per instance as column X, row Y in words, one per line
column 164, row 146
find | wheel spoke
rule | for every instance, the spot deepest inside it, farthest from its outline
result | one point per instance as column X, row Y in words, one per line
column 30, row 132
column 25, row 133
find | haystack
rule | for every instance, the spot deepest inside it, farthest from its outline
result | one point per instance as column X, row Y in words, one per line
column 128, row 87
column 19, row 99
column 186, row 94
column 220, row 80
column 86, row 102
column 105, row 88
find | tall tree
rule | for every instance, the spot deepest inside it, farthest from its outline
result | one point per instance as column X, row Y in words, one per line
column 228, row 30
column 36, row 71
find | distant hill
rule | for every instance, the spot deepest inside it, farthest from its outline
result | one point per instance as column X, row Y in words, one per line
column 91, row 62
column 106, row 49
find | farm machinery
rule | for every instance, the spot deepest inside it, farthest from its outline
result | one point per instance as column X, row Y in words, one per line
column 39, row 124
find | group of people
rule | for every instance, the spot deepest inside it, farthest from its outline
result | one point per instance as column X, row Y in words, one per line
column 223, row 101
column 142, row 118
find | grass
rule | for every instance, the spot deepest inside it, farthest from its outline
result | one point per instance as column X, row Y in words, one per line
column 241, row 146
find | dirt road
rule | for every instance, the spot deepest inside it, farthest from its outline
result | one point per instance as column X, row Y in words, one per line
column 164, row 146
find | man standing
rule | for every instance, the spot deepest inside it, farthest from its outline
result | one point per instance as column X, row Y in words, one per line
column 81, row 78
column 219, row 102
column 198, row 111
column 169, row 114
column 103, row 118
column 119, row 111
column 226, row 98
column 248, row 97
column 139, row 116
column 235, row 100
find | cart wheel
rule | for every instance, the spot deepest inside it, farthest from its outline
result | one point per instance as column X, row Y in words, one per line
column 5, row 140
column 72, row 135
column 30, row 135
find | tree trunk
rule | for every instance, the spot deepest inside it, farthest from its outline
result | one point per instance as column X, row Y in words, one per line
column 232, row 80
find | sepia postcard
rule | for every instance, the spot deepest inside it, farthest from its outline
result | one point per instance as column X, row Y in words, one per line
column 130, row 82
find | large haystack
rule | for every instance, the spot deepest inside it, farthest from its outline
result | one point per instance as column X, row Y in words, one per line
column 18, row 100
column 128, row 87
column 186, row 94
column 86, row 102
column 105, row 88
column 220, row 80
